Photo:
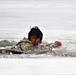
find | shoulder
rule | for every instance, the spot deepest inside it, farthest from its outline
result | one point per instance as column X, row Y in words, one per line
column 25, row 40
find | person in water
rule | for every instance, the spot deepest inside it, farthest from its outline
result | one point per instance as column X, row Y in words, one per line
column 35, row 37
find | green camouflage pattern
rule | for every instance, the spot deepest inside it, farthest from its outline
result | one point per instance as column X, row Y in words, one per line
column 25, row 45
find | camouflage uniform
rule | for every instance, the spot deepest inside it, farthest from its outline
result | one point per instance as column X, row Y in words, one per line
column 25, row 45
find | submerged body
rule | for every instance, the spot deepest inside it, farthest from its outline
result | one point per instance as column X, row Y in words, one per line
column 25, row 45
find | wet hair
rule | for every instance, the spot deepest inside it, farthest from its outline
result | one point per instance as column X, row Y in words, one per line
column 35, row 31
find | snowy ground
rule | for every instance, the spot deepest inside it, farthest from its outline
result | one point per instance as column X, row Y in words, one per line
column 56, row 66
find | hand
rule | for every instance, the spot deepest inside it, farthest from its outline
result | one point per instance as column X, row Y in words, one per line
column 57, row 44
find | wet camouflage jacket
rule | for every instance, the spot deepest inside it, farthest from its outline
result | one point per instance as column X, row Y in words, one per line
column 25, row 45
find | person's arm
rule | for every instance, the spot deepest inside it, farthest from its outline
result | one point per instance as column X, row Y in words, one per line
column 56, row 44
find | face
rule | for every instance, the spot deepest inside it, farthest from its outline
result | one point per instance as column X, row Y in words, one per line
column 35, row 40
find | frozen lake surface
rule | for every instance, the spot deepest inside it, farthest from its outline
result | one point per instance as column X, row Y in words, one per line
column 56, row 19
column 56, row 66
column 53, row 17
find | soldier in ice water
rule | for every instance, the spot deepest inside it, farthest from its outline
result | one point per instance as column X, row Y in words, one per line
column 35, row 37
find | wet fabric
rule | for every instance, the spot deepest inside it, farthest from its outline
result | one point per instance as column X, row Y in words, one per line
column 25, row 45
